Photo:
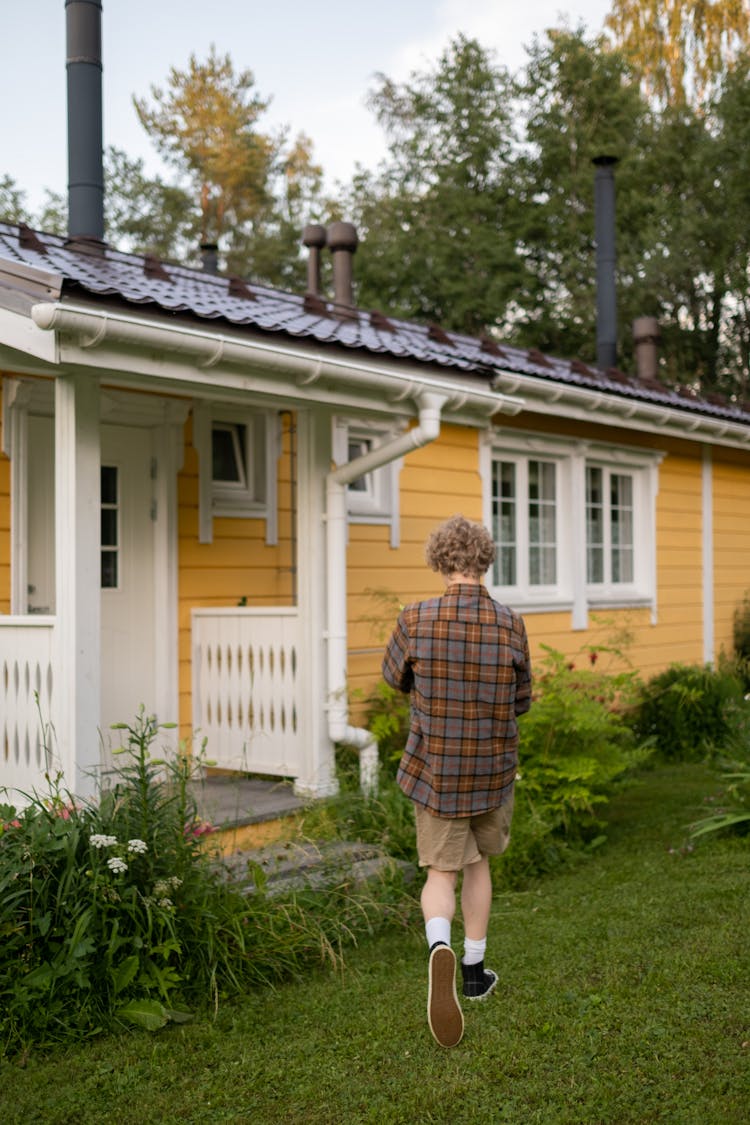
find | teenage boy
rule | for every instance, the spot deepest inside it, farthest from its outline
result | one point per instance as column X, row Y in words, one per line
column 463, row 658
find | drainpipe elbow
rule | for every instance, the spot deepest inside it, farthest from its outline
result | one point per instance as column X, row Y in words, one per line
column 430, row 409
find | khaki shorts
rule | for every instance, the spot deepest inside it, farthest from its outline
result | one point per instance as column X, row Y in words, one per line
column 451, row 843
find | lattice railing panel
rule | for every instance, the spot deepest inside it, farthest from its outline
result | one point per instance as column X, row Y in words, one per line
column 246, row 688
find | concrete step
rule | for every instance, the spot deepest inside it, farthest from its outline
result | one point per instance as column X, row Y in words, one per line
column 245, row 812
column 295, row 866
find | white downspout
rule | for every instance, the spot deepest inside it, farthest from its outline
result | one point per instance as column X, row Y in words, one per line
column 430, row 405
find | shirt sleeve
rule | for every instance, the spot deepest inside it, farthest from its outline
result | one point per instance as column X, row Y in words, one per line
column 397, row 669
column 523, row 674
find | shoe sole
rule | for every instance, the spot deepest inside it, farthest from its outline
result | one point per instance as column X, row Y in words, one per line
column 488, row 991
column 444, row 1013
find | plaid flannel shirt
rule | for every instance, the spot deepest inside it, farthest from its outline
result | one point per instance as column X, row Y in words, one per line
column 464, row 660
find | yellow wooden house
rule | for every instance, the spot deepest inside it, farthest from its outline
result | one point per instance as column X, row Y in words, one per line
column 214, row 496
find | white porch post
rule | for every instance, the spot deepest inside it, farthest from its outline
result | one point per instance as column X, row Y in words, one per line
column 314, row 449
column 77, row 546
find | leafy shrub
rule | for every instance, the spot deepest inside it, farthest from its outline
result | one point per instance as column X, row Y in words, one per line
column 690, row 710
column 388, row 718
column 114, row 913
column 576, row 745
column 741, row 637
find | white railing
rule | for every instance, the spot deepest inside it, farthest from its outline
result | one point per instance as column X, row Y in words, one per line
column 27, row 705
column 246, row 689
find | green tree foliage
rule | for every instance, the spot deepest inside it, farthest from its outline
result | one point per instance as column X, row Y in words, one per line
column 681, row 49
column 252, row 192
column 147, row 214
column 578, row 103
column 205, row 124
column 12, row 201
column 437, row 216
column 269, row 247
column 480, row 229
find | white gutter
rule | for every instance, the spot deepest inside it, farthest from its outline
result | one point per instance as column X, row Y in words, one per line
column 588, row 405
column 430, row 404
column 91, row 329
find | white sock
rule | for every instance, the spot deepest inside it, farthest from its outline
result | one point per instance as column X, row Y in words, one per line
column 474, row 951
column 437, row 929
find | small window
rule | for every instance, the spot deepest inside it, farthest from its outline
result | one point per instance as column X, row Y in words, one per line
column 238, row 466
column 110, row 527
column 372, row 498
column 229, row 464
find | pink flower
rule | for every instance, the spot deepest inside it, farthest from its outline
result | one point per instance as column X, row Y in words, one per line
column 199, row 828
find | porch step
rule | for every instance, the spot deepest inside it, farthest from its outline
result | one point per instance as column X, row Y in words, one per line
column 298, row 866
column 245, row 812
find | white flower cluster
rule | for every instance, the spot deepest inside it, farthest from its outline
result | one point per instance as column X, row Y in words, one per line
column 162, row 887
column 137, row 847
column 114, row 863
column 98, row 841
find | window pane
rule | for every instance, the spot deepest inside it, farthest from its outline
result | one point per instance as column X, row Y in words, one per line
column 109, row 570
column 594, row 525
column 109, row 484
column 357, row 448
column 109, row 527
column 504, row 522
column 542, row 524
column 621, row 521
column 228, row 453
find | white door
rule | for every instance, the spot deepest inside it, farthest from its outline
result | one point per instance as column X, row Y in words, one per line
column 128, row 663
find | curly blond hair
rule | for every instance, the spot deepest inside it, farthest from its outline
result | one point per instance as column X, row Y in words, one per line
column 459, row 546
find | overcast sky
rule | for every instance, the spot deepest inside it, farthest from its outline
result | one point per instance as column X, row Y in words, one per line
column 315, row 60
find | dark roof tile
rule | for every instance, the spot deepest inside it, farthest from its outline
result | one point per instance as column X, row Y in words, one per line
column 102, row 271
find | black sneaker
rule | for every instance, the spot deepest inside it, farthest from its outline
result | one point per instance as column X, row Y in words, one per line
column 478, row 981
column 444, row 1013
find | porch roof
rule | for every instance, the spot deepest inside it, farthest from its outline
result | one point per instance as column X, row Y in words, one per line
column 36, row 266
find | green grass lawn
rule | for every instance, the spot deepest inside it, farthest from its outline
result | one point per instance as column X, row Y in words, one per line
column 625, row 998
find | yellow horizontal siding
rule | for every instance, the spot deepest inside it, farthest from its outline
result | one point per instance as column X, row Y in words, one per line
column 731, row 487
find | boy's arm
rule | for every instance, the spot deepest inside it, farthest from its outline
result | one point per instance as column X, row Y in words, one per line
column 523, row 675
column 397, row 669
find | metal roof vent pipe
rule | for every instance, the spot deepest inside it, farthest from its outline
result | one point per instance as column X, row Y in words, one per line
column 314, row 238
column 210, row 257
column 83, row 22
column 646, row 337
column 342, row 242
column 606, row 261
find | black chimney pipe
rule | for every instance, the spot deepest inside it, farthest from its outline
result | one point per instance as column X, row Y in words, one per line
column 83, row 22
column 606, row 260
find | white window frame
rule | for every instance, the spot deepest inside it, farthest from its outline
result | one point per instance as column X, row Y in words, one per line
column 571, row 591
column 377, row 502
column 254, row 496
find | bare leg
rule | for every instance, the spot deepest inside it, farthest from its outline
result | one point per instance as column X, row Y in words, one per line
column 439, row 894
column 476, row 899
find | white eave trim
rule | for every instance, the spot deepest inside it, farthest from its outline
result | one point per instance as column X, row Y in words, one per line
column 585, row 405
column 87, row 335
